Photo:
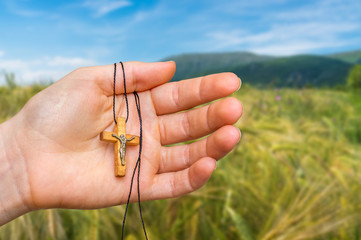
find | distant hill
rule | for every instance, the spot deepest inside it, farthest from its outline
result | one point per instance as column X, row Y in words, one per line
column 295, row 71
column 198, row 64
column 263, row 71
column 350, row 57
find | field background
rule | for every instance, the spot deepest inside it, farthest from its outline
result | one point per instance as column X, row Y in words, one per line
column 296, row 173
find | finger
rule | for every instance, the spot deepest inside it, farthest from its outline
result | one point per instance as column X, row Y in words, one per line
column 215, row 146
column 176, row 184
column 196, row 123
column 139, row 76
column 178, row 96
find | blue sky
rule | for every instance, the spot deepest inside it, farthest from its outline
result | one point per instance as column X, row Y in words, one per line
column 42, row 40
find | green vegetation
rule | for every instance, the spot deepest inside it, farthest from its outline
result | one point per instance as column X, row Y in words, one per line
column 197, row 64
column 13, row 97
column 354, row 77
column 351, row 57
column 296, row 71
column 294, row 175
column 265, row 71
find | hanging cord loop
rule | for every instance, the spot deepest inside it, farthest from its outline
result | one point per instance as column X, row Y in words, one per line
column 125, row 92
column 137, row 165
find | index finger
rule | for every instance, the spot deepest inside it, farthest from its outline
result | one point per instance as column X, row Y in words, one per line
column 186, row 94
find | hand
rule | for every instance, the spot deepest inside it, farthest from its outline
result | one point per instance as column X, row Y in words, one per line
column 55, row 137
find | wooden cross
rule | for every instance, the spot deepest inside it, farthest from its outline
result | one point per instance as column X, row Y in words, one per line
column 120, row 140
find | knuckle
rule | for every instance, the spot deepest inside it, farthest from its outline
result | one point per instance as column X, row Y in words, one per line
column 84, row 73
column 133, row 79
column 164, row 160
column 175, row 96
column 201, row 94
column 187, row 156
column 186, row 126
column 190, row 185
column 162, row 131
column 172, row 186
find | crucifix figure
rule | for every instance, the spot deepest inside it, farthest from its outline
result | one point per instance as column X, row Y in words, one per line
column 120, row 140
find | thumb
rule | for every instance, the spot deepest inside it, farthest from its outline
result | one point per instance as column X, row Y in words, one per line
column 139, row 76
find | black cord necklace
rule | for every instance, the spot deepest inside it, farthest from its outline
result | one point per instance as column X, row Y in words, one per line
column 137, row 165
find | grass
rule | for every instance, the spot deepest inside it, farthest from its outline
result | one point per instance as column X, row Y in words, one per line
column 294, row 175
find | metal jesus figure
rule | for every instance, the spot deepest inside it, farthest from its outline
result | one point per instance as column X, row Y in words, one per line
column 123, row 140
column 120, row 140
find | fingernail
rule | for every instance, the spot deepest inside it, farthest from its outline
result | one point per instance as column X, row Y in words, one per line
column 240, row 84
column 240, row 135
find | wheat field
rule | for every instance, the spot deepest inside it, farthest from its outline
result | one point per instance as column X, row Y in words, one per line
column 296, row 174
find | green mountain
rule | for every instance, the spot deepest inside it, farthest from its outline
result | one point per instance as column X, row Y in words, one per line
column 263, row 71
column 198, row 64
column 295, row 71
column 350, row 57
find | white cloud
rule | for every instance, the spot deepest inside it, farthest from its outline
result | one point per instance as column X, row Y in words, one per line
column 294, row 47
column 277, row 27
column 46, row 68
column 286, row 39
column 103, row 7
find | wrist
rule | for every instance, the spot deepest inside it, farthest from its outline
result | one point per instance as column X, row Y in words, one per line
column 15, row 195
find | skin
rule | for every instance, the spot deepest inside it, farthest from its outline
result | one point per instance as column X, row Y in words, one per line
column 52, row 156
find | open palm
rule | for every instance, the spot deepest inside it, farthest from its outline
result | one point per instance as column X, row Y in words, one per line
column 68, row 166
